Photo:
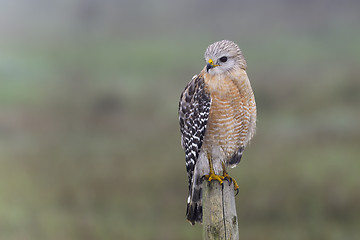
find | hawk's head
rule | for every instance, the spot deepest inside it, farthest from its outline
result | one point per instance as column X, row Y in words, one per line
column 223, row 56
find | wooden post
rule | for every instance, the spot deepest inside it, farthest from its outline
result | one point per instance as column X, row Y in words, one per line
column 219, row 211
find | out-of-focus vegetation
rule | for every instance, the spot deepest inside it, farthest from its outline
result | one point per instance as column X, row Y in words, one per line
column 90, row 145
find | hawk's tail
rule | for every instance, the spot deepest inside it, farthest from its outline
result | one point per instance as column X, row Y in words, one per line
column 194, row 206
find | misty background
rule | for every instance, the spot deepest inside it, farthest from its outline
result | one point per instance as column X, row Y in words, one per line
column 89, row 135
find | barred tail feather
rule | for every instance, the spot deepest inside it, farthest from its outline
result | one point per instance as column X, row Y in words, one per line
column 194, row 212
column 194, row 205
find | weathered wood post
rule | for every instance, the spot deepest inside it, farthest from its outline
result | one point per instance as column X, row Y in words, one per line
column 219, row 211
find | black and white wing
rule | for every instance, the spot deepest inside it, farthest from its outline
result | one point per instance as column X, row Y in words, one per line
column 194, row 108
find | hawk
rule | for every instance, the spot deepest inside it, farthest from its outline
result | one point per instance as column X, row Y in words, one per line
column 217, row 116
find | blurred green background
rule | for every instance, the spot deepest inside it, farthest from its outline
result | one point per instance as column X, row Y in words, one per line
column 89, row 135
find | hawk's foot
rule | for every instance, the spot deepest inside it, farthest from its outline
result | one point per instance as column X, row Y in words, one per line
column 213, row 176
column 230, row 179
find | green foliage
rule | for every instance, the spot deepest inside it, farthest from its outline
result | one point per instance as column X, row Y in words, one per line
column 90, row 145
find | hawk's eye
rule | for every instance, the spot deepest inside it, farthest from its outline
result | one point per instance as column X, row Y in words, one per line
column 223, row 59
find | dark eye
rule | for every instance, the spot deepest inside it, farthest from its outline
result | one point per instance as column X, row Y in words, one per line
column 223, row 59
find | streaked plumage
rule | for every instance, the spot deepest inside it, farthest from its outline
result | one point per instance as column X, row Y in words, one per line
column 217, row 115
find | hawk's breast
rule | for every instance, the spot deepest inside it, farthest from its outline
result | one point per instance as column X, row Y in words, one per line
column 229, row 118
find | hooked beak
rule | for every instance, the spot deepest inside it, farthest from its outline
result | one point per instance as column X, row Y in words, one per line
column 210, row 65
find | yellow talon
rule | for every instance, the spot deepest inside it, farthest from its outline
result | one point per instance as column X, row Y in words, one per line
column 230, row 179
column 227, row 176
column 213, row 176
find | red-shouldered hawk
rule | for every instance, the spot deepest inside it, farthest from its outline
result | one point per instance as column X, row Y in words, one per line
column 217, row 115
